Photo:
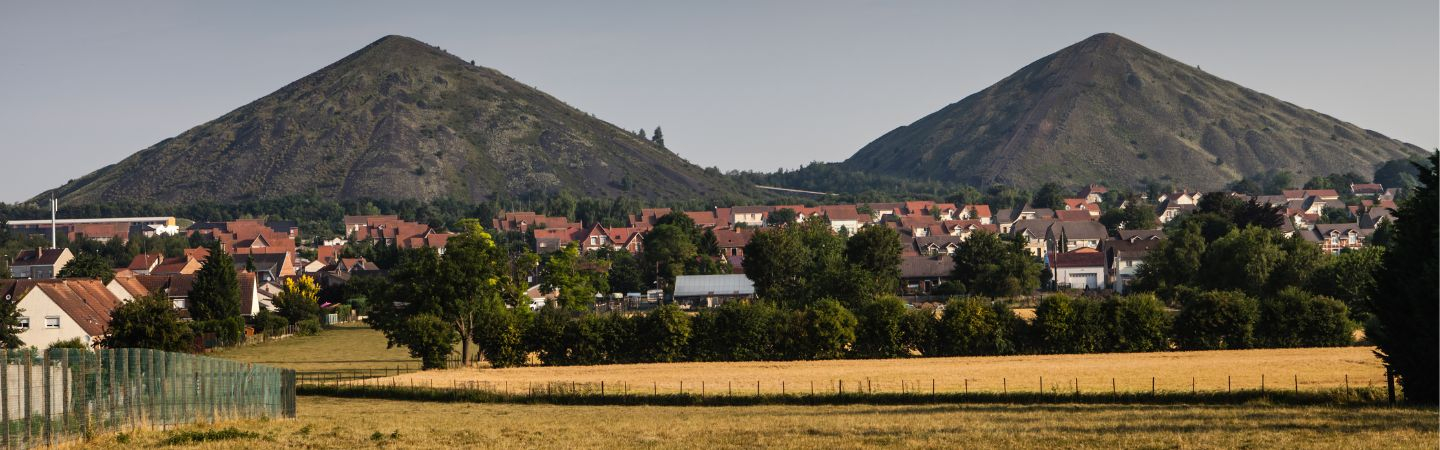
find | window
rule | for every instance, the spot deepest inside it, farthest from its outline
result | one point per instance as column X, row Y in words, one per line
column 24, row 323
column 52, row 321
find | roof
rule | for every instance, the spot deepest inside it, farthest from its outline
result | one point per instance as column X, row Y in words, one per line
column 1080, row 230
column 1132, row 235
column 145, row 261
column 838, row 213
column 1078, row 259
column 926, row 267
column 730, row 238
column 132, row 286
column 702, row 285
column 39, row 257
column 1074, row 215
column 85, row 300
column 264, row 262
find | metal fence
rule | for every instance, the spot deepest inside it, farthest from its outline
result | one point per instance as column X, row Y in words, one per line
column 48, row 397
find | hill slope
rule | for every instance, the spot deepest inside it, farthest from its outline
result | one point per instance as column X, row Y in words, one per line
column 1108, row 109
column 400, row 119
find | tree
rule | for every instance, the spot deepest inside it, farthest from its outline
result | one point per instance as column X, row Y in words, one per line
column 668, row 248
column 10, row 313
column 1243, row 260
column 1136, row 323
column 299, row 299
column 995, row 266
column 972, row 327
column 829, row 330
column 776, row 260
column 429, row 338
column 625, row 274
column 1350, row 278
column 147, row 322
column 88, row 265
column 1400, row 173
column 215, row 293
column 666, row 333
column 1405, row 303
column 1295, row 318
column 782, row 216
column 874, row 252
column 1064, row 324
column 500, row 332
column 562, row 272
column 1216, row 320
column 1050, row 195
column 659, row 138
column 881, row 332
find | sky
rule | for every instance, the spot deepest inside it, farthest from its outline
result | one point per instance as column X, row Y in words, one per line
column 738, row 85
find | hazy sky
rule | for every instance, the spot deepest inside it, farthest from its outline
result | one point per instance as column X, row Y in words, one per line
column 738, row 85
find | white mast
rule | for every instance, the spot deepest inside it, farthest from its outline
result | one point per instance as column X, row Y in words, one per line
column 54, row 206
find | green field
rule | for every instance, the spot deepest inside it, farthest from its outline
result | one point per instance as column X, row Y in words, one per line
column 344, row 347
column 346, row 423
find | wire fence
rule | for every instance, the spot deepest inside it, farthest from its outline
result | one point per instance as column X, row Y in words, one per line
column 1341, row 385
column 57, row 395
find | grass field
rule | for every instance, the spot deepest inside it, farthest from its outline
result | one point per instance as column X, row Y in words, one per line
column 342, row 423
column 347, row 346
column 1316, row 368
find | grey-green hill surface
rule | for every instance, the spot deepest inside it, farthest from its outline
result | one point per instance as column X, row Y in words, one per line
column 1108, row 109
column 400, row 119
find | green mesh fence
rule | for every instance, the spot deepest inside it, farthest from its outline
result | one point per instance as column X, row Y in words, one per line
column 48, row 397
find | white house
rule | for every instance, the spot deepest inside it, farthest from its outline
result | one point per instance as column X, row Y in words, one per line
column 1080, row 269
column 61, row 309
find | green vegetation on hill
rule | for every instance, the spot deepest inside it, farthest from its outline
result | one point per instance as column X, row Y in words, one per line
column 401, row 119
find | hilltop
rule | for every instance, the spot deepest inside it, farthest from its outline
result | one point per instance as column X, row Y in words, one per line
column 1108, row 109
column 400, row 119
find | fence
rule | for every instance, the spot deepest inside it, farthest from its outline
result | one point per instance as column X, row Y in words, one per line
column 341, row 375
column 57, row 395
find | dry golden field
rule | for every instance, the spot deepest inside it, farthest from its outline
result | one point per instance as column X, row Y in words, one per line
column 1316, row 368
column 349, row 424
column 347, row 346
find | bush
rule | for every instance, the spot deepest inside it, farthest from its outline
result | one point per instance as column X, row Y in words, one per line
column 828, row 330
column 148, row 322
column 881, row 332
column 1216, row 320
column 665, row 334
column 500, row 333
column 269, row 323
column 547, row 335
column 1136, row 323
column 307, row 327
column 74, row 343
column 738, row 331
column 921, row 330
column 1064, row 324
column 428, row 338
column 1295, row 318
column 228, row 331
column 599, row 338
column 972, row 326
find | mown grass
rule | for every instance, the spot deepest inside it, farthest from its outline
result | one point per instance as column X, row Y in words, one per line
column 348, row 346
column 356, row 423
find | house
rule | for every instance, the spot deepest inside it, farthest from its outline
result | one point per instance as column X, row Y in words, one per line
column 976, row 212
column 57, row 310
column 1371, row 190
column 40, row 263
column 1334, row 237
column 1093, row 193
column 1079, row 269
column 1184, row 197
column 187, row 263
column 126, row 288
column 844, row 218
column 1124, row 255
column 732, row 242
column 144, row 263
column 1301, row 194
column 920, row 274
column 1071, row 236
column 648, row 217
column 750, row 216
column 1034, row 232
column 1168, row 210
column 937, row 245
column 708, row 291
column 177, row 289
column 965, row 228
column 1075, row 215
column 268, row 266
column 390, row 230
column 251, row 236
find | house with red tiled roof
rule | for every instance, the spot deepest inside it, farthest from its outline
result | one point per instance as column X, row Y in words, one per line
column 143, row 263
column 1079, row 269
column 732, row 242
column 61, row 309
column 844, row 217
column 1074, row 215
column 1093, row 193
column 1367, row 189
column 975, row 212
column 126, row 287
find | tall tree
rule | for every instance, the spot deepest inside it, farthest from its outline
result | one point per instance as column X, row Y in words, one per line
column 668, row 248
column 995, row 266
column 10, row 323
column 148, row 322
column 775, row 260
column 659, row 138
column 1174, row 262
column 215, row 293
column 874, row 255
column 88, row 265
column 1050, row 195
column 1406, row 304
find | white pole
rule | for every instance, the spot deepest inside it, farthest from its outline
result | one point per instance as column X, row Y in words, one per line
column 54, row 206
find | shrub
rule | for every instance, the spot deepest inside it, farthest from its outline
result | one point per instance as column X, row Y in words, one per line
column 307, row 327
column 738, row 331
column 547, row 335
column 1064, row 324
column 921, row 330
column 972, row 326
column 428, row 338
column 269, row 323
column 881, row 332
column 148, row 322
column 599, row 338
column 228, row 331
column 1295, row 318
column 500, row 333
column 1216, row 320
column 1136, row 323
column 828, row 330
column 74, row 343
column 665, row 334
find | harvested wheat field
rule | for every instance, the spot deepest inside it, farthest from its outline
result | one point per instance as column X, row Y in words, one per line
column 1313, row 368
column 343, row 423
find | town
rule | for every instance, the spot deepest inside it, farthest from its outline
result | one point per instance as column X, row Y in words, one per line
column 1092, row 240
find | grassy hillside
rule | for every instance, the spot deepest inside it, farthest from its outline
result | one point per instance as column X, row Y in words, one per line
column 1109, row 110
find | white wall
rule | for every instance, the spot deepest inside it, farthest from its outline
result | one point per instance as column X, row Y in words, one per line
column 37, row 306
column 1073, row 276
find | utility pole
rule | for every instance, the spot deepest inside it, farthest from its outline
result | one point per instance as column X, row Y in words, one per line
column 54, row 206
